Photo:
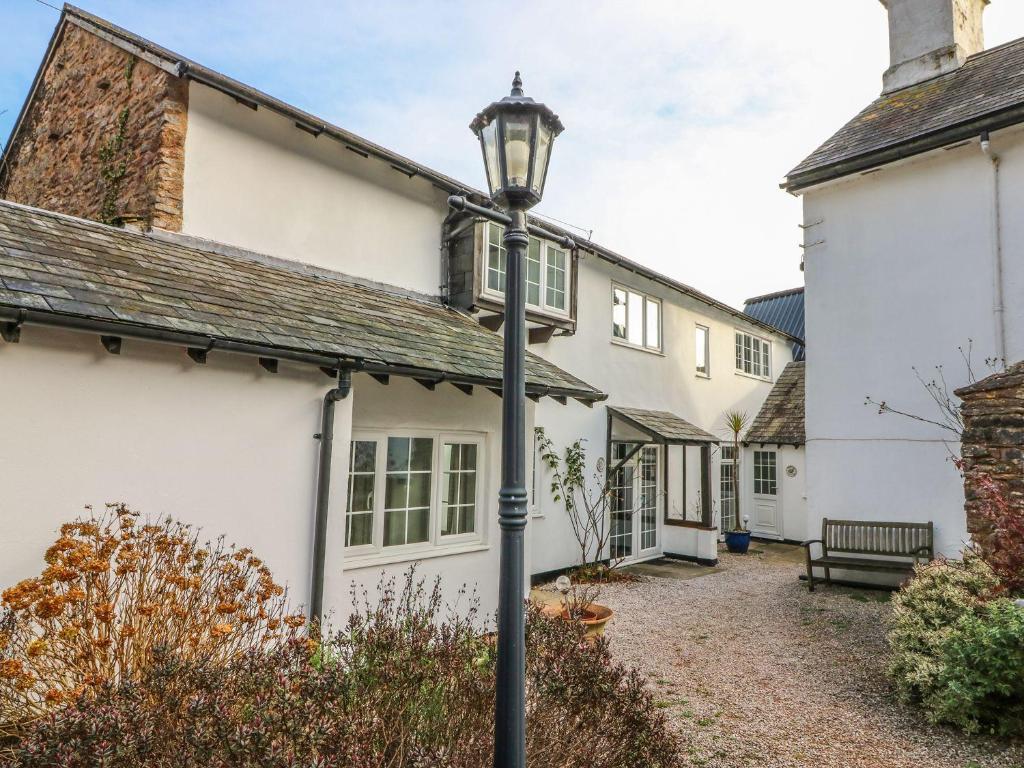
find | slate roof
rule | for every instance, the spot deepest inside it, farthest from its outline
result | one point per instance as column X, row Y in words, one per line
column 783, row 310
column 666, row 426
column 781, row 418
column 72, row 268
column 986, row 93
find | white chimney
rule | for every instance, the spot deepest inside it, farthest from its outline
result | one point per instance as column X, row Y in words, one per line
column 928, row 38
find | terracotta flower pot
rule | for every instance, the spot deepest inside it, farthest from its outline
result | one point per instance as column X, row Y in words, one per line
column 595, row 617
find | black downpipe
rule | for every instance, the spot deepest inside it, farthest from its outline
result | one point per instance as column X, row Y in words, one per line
column 323, row 491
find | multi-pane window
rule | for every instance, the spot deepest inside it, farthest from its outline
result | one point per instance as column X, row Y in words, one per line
column 407, row 490
column 636, row 318
column 495, row 259
column 458, row 504
column 753, row 355
column 547, row 271
column 727, row 488
column 532, row 272
column 556, row 292
column 361, row 480
column 620, row 541
column 648, row 497
column 413, row 491
column 703, row 350
column 764, row 473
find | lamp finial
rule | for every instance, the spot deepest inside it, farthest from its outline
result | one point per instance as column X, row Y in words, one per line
column 517, row 85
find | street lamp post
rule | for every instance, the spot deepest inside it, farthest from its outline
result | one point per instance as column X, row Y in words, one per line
column 515, row 136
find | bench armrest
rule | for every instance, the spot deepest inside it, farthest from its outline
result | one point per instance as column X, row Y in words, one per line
column 811, row 541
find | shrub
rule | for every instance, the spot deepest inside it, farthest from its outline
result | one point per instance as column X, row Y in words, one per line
column 981, row 685
column 925, row 613
column 404, row 685
column 115, row 590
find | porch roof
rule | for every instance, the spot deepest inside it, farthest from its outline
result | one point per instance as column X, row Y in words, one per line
column 664, row 427
column 63, row 271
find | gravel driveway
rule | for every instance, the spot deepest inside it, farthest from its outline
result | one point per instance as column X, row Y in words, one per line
column 754, row 671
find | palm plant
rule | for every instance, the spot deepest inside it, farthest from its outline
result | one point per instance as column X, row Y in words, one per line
column 736, row 422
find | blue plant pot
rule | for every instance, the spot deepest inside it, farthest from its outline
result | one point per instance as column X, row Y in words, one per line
column 737, row 542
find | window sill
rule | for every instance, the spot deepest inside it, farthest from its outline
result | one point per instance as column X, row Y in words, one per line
column 703, row 375
column 695, row 524
column 627, row 345
column 746, row 375
column 376, row 560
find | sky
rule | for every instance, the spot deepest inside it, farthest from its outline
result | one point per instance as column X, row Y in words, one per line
column 682, row 116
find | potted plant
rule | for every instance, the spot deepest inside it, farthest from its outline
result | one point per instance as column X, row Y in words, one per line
column 579, row 604
column 737, row 540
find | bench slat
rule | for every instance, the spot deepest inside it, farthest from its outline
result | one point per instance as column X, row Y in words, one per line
column 863, row 564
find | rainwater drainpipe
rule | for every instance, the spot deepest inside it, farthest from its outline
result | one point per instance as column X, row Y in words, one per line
column 323, row 490
column 998, row 310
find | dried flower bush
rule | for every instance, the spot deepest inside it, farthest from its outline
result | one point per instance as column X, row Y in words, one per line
column 116, row 589
column 406, row 684
column 1002, row 544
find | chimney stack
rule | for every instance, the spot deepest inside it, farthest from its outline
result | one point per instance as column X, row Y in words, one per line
column 928, row 38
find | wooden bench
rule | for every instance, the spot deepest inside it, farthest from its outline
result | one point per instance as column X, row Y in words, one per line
column 891, row 547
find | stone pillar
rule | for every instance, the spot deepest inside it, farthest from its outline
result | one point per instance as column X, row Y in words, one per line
column 993, row 442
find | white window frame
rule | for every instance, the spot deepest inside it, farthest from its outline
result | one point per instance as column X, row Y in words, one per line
column 545, row 249
column 761, row 464
column 646, row 299
column 706, row 373
column 765, row 344
column 435, row 541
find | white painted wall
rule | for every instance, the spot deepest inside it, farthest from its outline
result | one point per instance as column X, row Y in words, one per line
column 637, row 378
column 405, row 405
column 254, row 180
column 905, row 276
column 225, row 446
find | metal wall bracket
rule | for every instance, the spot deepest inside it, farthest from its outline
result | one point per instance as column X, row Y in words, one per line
column 268, row 364
column 197, row 355
column 11, row 330
column 112, row 344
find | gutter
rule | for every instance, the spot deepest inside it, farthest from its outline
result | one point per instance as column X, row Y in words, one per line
column 11, row 318
column 323, row 493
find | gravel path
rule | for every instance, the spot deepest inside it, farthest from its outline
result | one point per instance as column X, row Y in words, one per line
column 754, row 671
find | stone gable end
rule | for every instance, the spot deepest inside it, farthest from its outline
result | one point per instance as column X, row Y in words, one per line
column 103, row 137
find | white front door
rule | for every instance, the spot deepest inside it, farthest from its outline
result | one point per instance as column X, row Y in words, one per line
column 765, row 519
column 634, row 503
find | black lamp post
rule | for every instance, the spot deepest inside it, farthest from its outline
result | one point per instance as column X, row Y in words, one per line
column 515, row 135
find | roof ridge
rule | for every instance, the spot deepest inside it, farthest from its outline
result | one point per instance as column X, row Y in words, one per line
column 775, row 295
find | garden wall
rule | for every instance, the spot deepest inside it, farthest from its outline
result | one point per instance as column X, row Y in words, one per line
column 993, row 442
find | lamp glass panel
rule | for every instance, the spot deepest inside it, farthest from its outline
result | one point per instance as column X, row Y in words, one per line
column 518, row 129
column 540, row 162
column 489, row 142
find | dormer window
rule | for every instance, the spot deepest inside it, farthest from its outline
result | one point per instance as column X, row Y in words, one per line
column 547, row 272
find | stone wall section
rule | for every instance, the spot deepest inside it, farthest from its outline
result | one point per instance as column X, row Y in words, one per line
column 993, row 442
column 104, row 137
